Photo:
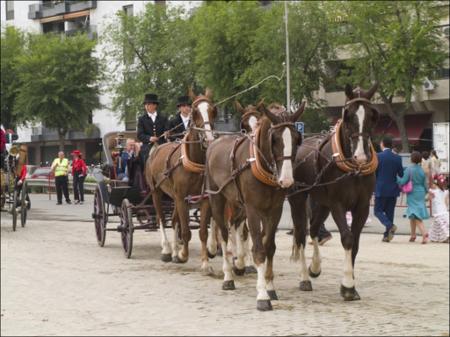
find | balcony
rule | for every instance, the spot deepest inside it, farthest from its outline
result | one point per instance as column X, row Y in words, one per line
column 53, row 8
column 90, row 31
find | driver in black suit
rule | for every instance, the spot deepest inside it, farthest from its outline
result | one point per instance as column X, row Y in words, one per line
column 180, row 123
column 151, row 127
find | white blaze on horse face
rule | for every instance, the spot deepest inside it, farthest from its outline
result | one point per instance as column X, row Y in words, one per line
column 359, row 154
column 286, row 178
column 203, row 108
column 252, row 121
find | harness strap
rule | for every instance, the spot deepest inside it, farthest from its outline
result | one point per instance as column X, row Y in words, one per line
column 347, row 165
column 187, row 163
column 255, row 163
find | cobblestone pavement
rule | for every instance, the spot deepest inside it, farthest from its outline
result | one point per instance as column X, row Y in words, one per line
column 55, row 280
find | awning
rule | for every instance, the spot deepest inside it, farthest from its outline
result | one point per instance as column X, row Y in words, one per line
column 415, row 124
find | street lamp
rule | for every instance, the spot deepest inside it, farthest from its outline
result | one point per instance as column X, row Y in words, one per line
column 288, row 82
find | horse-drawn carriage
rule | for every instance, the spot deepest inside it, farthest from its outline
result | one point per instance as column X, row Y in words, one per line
column 14, row 196
column 130, row 200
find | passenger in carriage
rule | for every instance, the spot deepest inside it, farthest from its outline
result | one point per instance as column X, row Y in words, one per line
column 122, row 162
column 151, row 127
column 180, row 123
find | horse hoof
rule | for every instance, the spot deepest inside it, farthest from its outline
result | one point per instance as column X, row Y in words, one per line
column 166, row 257
column 228, row 285
column 238, row 272
column 312, row 274
column 349, row 294
column 306, row 286
column 208, row 271
column 176, row 259
column 250, row 270
column 273, row 295
column 210, row 255
column 263, row 305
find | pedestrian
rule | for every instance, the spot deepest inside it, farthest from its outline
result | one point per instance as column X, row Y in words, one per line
column 2, row 148
column 426, row 165
column 386, row 188
column 415, row 200
column 180, row 123
column 60, row 166
column 435, row 163
column 79, row 172
column 439, row 231
column 151, row 127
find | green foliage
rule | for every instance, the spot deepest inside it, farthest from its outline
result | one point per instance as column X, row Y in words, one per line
column 59, row 77
column 149, row 52
column 12, row 47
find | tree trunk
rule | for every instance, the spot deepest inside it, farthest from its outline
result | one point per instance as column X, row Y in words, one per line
column 62, row 136
column 399, row 120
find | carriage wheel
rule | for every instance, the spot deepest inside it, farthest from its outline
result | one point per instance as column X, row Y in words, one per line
column 14, row 210
column 23, row 205
column 99, row 218
column 127, row 228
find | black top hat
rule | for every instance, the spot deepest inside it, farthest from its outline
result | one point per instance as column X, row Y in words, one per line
column 151, row 98
column 183, row 100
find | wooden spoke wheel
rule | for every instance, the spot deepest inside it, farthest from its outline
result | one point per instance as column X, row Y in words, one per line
column 127, row 227
column 23, row 205
column 14, row 209
column 100, row 217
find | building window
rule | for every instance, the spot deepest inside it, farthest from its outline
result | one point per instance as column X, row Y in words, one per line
column 9, row 10
column 128, row 10
column 160, row 2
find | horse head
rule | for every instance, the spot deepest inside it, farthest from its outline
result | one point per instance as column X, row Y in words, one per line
column 203, row 113
column 282, row 141
column 250, row 116
column 358, row 121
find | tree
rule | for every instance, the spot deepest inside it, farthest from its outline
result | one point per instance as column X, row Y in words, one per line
column 149, row 52
column 396, row 43
column 12, row 47
column 59, row 77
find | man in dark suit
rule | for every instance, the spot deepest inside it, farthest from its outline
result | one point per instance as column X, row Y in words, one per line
column 180, row 122
column 151, row 127
column 386, row 189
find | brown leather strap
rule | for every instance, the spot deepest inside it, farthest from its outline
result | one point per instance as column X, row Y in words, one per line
column 347, row 165
column 187, row 163
column 255, row 163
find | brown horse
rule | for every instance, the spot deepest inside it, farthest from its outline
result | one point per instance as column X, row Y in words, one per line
column 340, row 169
column 177, row 169
column 252, row 173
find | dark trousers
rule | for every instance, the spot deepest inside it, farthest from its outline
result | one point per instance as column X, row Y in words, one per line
column 143, row 154
column 323, row 232
column 384, row 211
column 61, row 183
column 78, row 186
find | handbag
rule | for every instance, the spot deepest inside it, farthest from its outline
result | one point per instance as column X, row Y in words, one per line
column 408, row 187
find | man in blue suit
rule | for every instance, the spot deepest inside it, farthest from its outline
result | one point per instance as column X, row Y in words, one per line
column 387, row 190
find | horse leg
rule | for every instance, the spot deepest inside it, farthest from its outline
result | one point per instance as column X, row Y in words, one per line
column 259, row 256
column 319, row 215
column 359, row 217
column 205, row 216
column 348, row 291
column 239, row 268
column 270, row 226
column 249, row 264
column 212, row 240
column 175, row 228
column 166, row 253
column 183, row 217
column 217, row 203
column 299, row 218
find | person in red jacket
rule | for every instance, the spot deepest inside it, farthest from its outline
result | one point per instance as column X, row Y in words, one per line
column 79, row 171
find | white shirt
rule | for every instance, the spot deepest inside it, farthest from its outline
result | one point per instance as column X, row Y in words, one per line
column 185, row 120
column 152, row 115
column 438, row 202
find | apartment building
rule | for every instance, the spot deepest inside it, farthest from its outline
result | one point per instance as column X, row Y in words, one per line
column 71, row 17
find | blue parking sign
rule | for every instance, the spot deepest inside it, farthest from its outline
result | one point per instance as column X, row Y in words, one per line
column 300, row 126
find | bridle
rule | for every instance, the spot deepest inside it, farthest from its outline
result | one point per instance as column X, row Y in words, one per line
column 354, row 135
column 201, row 128
column 277, row 159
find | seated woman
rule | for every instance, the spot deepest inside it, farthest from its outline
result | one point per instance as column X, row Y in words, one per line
column 122, row 161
